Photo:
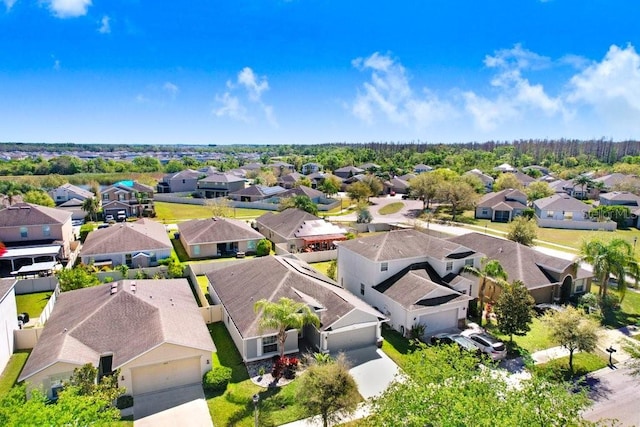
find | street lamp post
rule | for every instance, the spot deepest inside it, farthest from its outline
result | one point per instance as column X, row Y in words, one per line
column 256, row 400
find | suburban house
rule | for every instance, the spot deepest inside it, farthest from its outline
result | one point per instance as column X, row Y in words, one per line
column 149, row 332
column 35, row 236
column 316, row 196
column 523, row 178
column 256, row 193
column 289, row 180
column 185, row 181
column 548, row 279
column 398, row 185
column 129, row 198
column 411, row 277
column 67, row 191
column 296, row 230
column 8, row 320
column 282, row 168
column 347, row 172
column 421, row 168
column 484, row 178
column 219, row 185
column 563, row 211
column 502, row 206
column 309, row 168
column 135, row 244
column 623, row 198
column 216, row 237
column 612, row 180
column 505, row 167
column 346, row 322
column 75, row 207
column 369, row 167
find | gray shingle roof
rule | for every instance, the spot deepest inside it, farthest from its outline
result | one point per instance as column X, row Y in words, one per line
column 240, row 286
column 492, row 199
column 89, row 322
column 22, row 214
column 402, row 244
column 221, row 177
column 5, row 286
column 211, row 230
column 285, row 223
column 259, row 190
column 561, row 202
column 77, row 190
column 302, row 190
column 142, row 235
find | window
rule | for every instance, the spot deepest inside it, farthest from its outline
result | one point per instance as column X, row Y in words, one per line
column 105, row 196
column 128, row 259
column 361, row 288
column 549, row 214
column 196, row 250
column 24, row 233
column 469, row 262
column 579, row 288
column 46, row 230
column 269, row 344
column 449, row 265
column 485, row 211
column 384, row 266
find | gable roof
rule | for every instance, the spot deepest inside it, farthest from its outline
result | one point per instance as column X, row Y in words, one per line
column 402, row 244
column 211, row 230
column 486, row 179
column 285, row 223
column 272, row 278
column 621, row 196
column 519, row 261
column 303, row 190
column 77, row 190
column 613, row 179
column 351, row 169
column 142, row 314
column 185, row 174
column 259, row 190
column 71, row 203
column 24, row 214
column 221, row 177
column 5, row 287
column 561, row 202
column 142, row 235
column 291, row 177
column 503, row 197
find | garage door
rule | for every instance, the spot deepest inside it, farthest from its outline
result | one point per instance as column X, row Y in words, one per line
column 351, row 339
column 440, row 321
column 165, row 375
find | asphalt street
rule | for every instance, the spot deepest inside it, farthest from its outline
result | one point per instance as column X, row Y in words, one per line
column 615, row 394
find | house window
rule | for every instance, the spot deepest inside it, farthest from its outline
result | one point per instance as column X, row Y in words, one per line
column 269, row 344
column 105, row 196
column 384, row 266
column 24, row 233
column 196, row 250
column 549, row 214
column 121, row 197
column 579, row 288
column 468, row 262
column 485, row 211
column 152, row 257
column 361, row 288
column 128, row 259
column 46, row 230
column 449, row 265
column 55, row 391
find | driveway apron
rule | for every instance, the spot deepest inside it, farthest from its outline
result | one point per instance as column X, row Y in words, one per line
column 175, row 407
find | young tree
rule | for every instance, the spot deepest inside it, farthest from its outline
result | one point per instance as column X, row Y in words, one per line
column 76, row 278
column 458, row 194
column 38, row 197
column 374, row 183
column 523, row 230
column 363, row 214
column 220, row 207
column 437, row 376
column 359, row 191
column 507, row 180
column 301, row 202
column 573, row 330
column 330, row 185
column 425, row 187
column 263, row 248
column 284, row 315
column 514, row 310
column 303, row 181
column 538, row 190
column 490, row 271
column 328, row 389
column 615, row 257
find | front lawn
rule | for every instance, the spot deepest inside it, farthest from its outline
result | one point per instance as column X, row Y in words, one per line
column 391, row 208
column 32, row 303
column 176, row 212
column 12, row 371
column 558, row 369
column 629, row 312
column 234, row 407
column 396, row 346
column 536, row 339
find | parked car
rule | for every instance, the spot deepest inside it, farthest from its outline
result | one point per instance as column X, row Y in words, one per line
column 544, row 308
column 463, row 342
column 77, row 222
column 491, row 346
column 109, row 218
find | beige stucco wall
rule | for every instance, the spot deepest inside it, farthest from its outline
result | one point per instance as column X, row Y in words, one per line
column 49, row 376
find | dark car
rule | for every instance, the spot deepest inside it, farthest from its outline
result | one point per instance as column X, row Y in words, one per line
column 461, row 341
column 545, row 308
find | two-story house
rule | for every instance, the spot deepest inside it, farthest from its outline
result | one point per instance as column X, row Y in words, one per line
column 309, row 168
column 411, row 277
column 128, row 197
column 180, row 182
column 501, row 206
column 219, row 185
column 67, row 191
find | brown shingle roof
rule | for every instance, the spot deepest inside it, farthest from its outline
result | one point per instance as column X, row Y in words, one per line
column 142, row 235
column 89, row 322
column 210, row 230
column 22, row 214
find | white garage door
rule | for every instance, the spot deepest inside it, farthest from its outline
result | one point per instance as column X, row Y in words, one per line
column 165, row 375
column 440, row 321
column 349, row 340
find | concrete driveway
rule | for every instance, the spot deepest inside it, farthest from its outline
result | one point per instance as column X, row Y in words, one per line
column 372, row 369
column 180, row 406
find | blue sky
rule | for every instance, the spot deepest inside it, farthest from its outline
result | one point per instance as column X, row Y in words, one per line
column 316, row 71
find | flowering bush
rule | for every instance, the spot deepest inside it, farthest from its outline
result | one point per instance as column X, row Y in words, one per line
column 285, row 367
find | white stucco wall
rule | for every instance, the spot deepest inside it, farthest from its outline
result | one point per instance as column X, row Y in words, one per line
column 8, row 324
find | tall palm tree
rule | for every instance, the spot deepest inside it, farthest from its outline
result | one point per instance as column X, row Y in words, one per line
column 490, row 271
column 284, row 315
column 615, row 257
column 91, row 206
column 583, row 181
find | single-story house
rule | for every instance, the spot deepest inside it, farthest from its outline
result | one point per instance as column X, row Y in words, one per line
column 8, row 320
column 289, row 180
column 347, row 172
column 501, row 206
column 150, row 332
column 216, row 237
column 563, row 211
column 136, row 244
column 346, row 322
column 316, row 196
column 421, row 168
column 548, row 279
column 256, row 193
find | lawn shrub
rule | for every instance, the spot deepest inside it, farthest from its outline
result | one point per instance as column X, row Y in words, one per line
column 124, row 401
column 217, row 379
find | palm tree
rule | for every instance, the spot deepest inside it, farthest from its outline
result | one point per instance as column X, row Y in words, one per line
column 583, row 181
column 90, row 206
column 616, row 258
column 490, row 271
column 284, row 315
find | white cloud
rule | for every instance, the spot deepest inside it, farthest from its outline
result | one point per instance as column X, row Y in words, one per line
column 105, row 26
column 254, row 87
column 9, row 4
column 389, row 93
column 56, row 65
column 68, row 8
column 171, row 89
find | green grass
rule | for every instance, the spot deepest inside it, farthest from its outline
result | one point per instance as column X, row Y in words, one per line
column 391, row 208
column 176, row 212
column 629, row 312
column 181, row 253
column 536, row 339
column 203, row 282
column 12, row 371
column 322, row 267
column 558, row 369
column 396, row 346
column 32, row 303
column 234, row 407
